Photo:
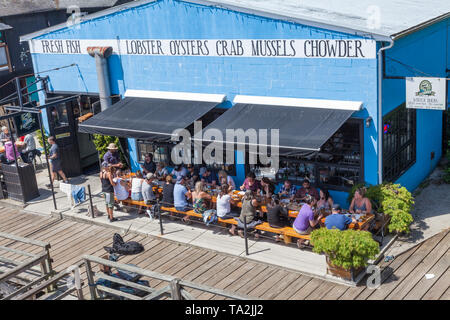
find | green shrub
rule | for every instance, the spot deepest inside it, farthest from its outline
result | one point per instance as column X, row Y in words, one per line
column 397, row 202
column 347, row 249
column 39, row 137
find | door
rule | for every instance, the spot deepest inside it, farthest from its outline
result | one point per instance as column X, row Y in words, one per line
column 63, row 127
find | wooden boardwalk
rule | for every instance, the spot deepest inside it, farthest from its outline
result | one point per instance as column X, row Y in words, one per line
column 402, row 278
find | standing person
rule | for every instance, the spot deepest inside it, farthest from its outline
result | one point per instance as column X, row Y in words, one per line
column 167, row 199
column 55, row 161
column 305, row 190
column 224, row 202
column 277, row 214
column 30, row 148
column 249, row 213
column 305, row 222
column 136, row 189
column 112, row 156
column 108, row 190
column 148, row 166
column 120, row 186
column 147, row 192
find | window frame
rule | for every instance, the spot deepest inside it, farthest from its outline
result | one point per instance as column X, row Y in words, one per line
column 317, row 164
column 6, row 67
column 400, row 147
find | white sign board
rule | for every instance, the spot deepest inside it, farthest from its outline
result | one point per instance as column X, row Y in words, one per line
column 426, row 93
column 255, row 48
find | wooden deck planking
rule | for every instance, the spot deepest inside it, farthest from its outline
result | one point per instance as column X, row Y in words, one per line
column 70, row 240
column 405, row 269
column 422, row 268
column 421, row 288
column 446, row 295
column 439, row 287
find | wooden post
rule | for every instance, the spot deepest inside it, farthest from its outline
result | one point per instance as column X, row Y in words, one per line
column 90, row 278
column 175, row 289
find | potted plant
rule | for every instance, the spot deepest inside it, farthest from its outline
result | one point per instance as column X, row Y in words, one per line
column 347, row 251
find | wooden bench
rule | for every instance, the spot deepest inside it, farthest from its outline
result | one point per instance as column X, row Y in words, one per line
column 287, row 232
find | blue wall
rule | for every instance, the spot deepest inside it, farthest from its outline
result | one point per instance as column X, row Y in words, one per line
column 426, row 51
column 338, row 79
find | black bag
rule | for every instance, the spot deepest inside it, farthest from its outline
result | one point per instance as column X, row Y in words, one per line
column 124, row 248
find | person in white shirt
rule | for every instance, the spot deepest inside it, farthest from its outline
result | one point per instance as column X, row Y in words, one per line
column 224, row 202
column 30, row 148
column 179, row 171
column 121, row 187
column 136, row 189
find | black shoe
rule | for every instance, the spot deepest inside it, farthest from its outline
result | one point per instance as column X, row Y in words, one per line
column 48, row 185
column 112, row 220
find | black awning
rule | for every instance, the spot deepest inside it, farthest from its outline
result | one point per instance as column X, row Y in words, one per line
column 301, row 128
column 146, row 118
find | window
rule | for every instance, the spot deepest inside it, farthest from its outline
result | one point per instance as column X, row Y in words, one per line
column 338, row 166
column 162, row 152
column 4, row 57
column 399, row 142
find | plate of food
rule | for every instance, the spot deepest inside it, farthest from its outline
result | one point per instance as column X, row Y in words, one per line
column 241, row 193
column 286, row 201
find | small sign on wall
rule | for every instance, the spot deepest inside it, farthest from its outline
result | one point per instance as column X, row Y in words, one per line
column 426, row 93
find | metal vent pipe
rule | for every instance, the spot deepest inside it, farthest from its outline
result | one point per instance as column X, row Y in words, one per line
column 101, row 54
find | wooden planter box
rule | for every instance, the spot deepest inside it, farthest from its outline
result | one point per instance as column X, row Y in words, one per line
column 340, row 272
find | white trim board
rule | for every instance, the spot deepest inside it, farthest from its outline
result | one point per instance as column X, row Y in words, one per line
column 172, row 95
column 297, row 102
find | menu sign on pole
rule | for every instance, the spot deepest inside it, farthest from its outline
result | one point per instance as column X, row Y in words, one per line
column 426, row 93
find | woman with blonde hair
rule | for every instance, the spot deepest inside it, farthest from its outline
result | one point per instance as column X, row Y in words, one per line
column 224, row 178
column 199, row 199
column 360, row 203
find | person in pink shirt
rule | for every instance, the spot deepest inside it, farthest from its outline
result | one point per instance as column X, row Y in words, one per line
column 9, row 151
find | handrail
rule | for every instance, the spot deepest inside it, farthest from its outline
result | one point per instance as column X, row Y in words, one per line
column 175, row 287
column 45, row 245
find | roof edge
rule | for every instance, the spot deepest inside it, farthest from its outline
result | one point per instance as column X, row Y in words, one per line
column 85, row 18
column 265, row 14
column 420, row 26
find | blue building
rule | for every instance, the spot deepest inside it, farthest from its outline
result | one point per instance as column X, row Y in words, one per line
column 333, row 81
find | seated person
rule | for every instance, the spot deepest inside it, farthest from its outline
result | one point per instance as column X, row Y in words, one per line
column 224, row 178
column 305, row 222
column 9, row 152
column 267, row 187
column 360, row 204
column 192, row 174
column 305, row 190
column 181, row 194
column 5, row 135
column 224, row 202
column 249, row 213
column 199, row 199
column 287, row 190
column 161, row 171
column 167, row 199
column 277, row 214
column 179, row 171
column 121, row 186
column 250, row 183
column 148, row 166
column 147, row 189
column 336, row 220
column 210, row 178
column 325, row 201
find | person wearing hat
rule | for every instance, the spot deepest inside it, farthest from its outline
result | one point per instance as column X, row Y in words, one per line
column 147, row 191
column 337, row 220
column 112, row 156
